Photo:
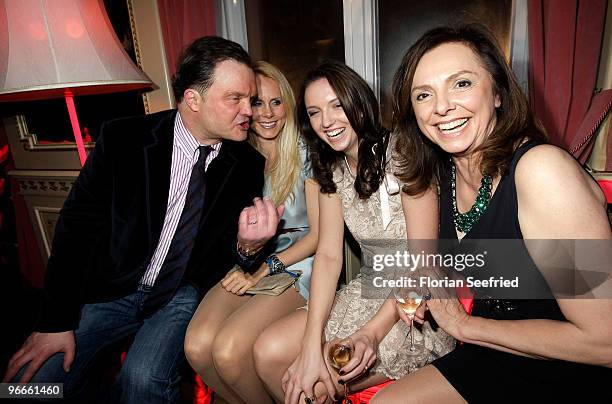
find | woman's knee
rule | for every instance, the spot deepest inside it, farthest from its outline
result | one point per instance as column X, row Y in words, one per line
column 198, row 347
column 231, row 351
column 268, row 352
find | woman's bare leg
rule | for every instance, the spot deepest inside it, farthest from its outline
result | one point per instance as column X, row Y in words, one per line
column 276, row 349
column 278, row 346
column 215, row 308
column 426, row 385
column 233, row 345
column 356, row 384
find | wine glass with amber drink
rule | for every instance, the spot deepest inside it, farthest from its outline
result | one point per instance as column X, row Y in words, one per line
column 409, row 299
column 339, row 354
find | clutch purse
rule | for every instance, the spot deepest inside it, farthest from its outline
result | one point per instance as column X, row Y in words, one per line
column 272, row 285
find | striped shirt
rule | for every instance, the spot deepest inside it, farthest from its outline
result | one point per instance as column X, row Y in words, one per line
column 185, row 154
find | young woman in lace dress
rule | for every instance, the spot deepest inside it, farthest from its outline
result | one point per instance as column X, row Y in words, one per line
column 351, row 153
column 220, row 337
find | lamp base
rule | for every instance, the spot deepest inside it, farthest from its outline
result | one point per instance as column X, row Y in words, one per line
column 76, row 129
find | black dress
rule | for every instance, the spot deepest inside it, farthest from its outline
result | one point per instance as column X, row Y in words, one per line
column 484, row 375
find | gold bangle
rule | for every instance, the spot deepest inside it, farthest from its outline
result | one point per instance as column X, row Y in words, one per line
column 246, row 251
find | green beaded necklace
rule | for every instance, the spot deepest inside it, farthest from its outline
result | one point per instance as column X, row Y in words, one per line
column 465, row 221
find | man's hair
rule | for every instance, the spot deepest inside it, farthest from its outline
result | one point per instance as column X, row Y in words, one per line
column 196, row 66
column 422, row 162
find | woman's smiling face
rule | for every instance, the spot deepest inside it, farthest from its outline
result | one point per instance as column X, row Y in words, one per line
column 453, row 99
column 328, row 119
column 269, row 114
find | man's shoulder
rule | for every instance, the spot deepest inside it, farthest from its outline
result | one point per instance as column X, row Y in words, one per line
column 136, row 131
column 244, row 152
column 141, row 122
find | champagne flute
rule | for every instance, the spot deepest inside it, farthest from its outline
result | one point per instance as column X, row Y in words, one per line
column 409, row 299
column 339, row 355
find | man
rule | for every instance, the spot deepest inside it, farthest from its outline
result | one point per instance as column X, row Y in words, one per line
column 149, row 226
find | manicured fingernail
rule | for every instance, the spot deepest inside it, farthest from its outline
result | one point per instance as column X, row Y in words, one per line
column 341, row 382
column 341, row 373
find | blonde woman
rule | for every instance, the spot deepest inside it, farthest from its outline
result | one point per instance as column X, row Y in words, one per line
column 221, row 334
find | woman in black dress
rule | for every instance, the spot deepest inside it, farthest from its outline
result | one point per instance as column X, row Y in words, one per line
column 465, row 124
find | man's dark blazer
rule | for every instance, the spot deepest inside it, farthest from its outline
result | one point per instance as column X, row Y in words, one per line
column 112, row 219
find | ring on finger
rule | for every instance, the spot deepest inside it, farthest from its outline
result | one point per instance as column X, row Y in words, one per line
column 254, row 221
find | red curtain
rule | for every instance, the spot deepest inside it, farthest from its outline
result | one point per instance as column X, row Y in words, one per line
column 182, row 21
column 565, row 39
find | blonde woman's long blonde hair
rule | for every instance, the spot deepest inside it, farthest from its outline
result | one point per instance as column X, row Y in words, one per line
column 284, row 171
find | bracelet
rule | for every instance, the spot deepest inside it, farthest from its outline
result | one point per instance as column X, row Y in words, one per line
column 246, row 251
column 275, row 264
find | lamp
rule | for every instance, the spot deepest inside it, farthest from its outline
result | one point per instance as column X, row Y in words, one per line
column 62, row 48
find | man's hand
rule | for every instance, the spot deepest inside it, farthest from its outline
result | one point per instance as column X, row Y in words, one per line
column 37, row 349
column 258, row 223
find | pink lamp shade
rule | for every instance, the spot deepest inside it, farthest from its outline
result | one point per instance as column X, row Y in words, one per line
column 62, row 48
column 47, row 46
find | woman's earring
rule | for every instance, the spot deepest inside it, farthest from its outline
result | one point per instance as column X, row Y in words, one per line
column 374, row 148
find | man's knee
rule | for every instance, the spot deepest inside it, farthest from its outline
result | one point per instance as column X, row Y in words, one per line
column 142, row 377
column 51, row 371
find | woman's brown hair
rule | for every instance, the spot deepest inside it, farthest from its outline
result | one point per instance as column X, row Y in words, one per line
column 421, row 161
column 361, row 108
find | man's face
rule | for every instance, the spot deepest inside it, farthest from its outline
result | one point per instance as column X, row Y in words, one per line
column 226, row 106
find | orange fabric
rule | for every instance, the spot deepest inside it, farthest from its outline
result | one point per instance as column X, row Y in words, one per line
column 364, row 396
column 466, row 298
column 203, row 394
column 606, row 186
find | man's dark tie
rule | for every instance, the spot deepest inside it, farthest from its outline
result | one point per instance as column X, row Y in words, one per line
column 173, row 268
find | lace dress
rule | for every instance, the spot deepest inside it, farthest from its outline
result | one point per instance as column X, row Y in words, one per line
column 350, row 311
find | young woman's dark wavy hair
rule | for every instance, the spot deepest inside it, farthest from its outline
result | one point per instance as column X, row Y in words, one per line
column 421, row 161
column 361, row 108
